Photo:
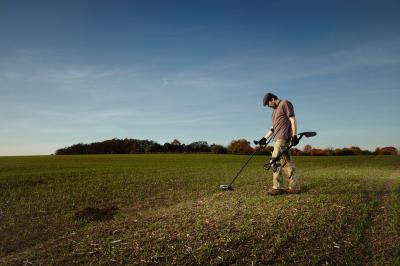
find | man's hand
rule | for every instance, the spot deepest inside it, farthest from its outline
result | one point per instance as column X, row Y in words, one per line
column 294, row 140
column 261, row 142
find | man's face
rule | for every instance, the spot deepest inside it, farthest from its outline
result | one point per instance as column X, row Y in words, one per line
column 272, row 104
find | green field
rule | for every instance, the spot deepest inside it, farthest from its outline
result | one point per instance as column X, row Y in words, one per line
column 165, row 209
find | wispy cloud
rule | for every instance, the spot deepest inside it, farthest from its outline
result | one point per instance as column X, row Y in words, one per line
column 373, row 54
column 178, row 120
column 84, row 117
column 62, row 74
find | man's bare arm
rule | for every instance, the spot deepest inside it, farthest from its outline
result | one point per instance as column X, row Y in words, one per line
column 294, row 125
column 269, row 133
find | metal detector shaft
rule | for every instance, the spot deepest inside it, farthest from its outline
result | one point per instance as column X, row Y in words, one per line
column 241, row 169
column 233, row 180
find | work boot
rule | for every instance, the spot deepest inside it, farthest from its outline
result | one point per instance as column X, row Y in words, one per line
column 275, row 191
column 293, row 191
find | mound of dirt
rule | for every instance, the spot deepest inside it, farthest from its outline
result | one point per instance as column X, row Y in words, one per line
column 96, row 214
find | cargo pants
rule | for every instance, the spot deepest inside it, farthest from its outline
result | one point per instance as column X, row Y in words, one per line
column 284, row 166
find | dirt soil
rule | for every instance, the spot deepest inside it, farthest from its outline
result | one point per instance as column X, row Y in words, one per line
column 96, row 214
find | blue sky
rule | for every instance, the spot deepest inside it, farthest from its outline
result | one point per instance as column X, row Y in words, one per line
column 85, row 71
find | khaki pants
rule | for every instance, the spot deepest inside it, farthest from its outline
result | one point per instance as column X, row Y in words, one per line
column 285, row 165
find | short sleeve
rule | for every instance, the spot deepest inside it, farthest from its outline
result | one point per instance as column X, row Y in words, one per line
column 288, row 109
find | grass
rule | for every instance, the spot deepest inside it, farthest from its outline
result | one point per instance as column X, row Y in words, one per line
column 170, row 212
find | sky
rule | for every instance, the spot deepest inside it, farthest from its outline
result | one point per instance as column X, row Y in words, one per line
column 86, row 71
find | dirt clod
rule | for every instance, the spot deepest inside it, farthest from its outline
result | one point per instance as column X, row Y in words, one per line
column 96, row 214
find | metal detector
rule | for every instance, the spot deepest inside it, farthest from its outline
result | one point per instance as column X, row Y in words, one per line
column 277, row 158
column 229, row 186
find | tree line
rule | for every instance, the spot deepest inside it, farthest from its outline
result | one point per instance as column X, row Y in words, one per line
column 354, row 150
column 240, row 146
column 126, row 146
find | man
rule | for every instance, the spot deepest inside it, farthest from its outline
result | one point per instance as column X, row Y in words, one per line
column 284, row 130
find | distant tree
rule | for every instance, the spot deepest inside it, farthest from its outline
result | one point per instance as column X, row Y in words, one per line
column 198, row 146
column 317, row 152
column 166, row 147
column 240, row 146
column 355, row 150
column 61, row 151
column 344, row 151
column 307, row 149
column 296, row 152
column 265, row 150
column 387, row 151
column 133, row 147
column 176, row 142
column 174, row 146
column 112, row 146
column 218, row 149
column 155, row 147
column 329, row 151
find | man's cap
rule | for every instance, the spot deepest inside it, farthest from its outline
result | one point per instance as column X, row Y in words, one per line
column 268, row 97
